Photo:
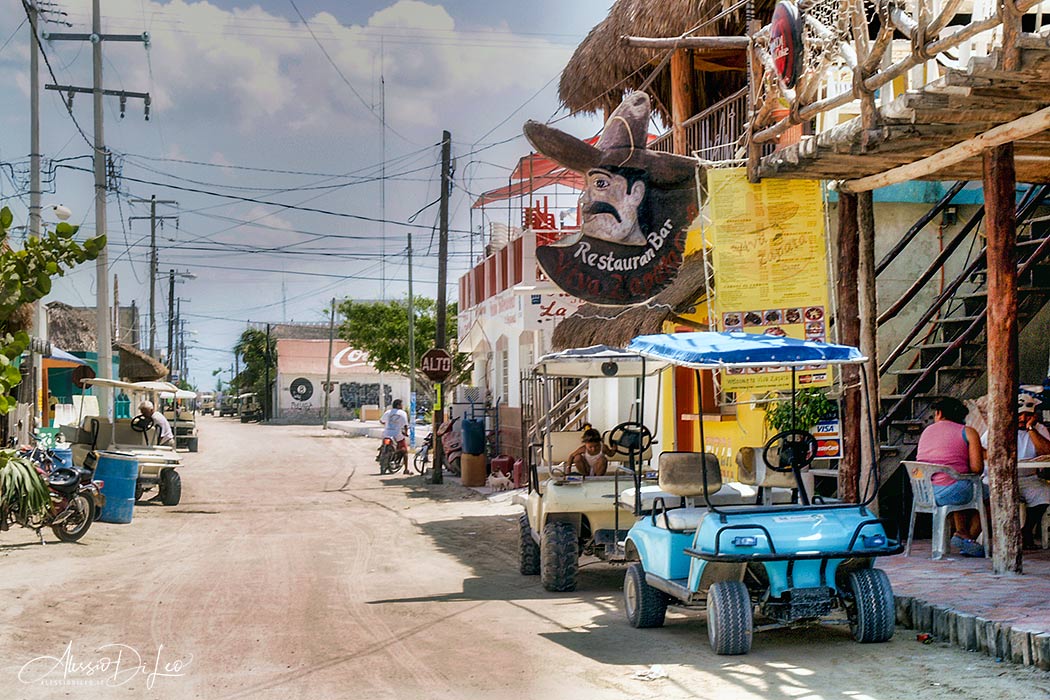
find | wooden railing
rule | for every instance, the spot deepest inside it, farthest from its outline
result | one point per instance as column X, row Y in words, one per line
column 843, row 65
column 715, row 133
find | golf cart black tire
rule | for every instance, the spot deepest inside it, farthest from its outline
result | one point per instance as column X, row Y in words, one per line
column 730, row 625
column 528, row 550
column 875, row 612
column 170, row 487
column 651, row 607
column 559, row 557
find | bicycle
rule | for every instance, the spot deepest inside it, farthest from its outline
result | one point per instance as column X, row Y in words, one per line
column 422, row 457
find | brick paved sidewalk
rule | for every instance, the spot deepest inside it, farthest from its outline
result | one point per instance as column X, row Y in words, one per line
column 962, row 602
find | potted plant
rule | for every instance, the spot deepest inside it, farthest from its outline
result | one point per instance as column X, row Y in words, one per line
column 810, row 406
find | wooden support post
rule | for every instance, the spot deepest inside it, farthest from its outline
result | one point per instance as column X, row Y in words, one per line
column 754, row 79
column 1000, row 228
column 1011, row 18
column 682, row 98
column 869, row 314
column 847, row 321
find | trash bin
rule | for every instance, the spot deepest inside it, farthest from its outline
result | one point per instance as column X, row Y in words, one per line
column 118, row 474
column 63, row 457
column 474, row 436
column 473, row 470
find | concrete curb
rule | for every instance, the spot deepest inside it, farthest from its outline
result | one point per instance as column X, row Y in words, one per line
column 974, row 633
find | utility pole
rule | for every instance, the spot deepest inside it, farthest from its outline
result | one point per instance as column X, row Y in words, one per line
column 103, row 331
column 266, row 363
column 153, row 218
column 171, row 315
column 34, row 121
column 411, row 352
column 328, row 369
column 440, row 340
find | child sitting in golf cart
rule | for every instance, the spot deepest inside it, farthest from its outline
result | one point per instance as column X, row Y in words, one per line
column 590, row 458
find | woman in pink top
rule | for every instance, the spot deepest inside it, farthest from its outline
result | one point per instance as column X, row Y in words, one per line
column 952, row 444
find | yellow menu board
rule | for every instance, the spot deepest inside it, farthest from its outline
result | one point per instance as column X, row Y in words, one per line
column 770, row 267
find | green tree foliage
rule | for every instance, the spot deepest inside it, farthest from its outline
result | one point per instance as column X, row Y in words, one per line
column 810, row 406
column 380, row 328
column 251, row 347
column 25, row 277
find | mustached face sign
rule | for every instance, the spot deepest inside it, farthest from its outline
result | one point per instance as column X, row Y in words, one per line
column 636, row 210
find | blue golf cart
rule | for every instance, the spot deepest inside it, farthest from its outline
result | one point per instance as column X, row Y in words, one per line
column 791, row 564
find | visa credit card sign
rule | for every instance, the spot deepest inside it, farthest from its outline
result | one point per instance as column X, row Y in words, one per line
column 829, row 439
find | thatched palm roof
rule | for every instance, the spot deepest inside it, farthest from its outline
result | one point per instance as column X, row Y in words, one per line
column 69, row 329
column 602, row 325
column 137, row 366
column 603, row 68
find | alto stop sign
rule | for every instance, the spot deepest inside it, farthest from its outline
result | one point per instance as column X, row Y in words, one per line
column 436, row 364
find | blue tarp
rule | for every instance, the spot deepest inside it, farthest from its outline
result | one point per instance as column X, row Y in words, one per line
column 711, row 350
column 57, row 354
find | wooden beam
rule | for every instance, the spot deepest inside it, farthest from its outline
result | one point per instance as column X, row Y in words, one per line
column 682, row 98
column 1002, row 134
column 867, row 306
column 847, row 323
column 689, row 42
column 1001, row 231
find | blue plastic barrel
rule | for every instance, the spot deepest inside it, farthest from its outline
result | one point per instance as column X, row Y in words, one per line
column 474, row 436
column 61, row 457
column 118, row 472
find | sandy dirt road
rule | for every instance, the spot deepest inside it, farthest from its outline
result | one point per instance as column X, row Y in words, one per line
column 292, row 570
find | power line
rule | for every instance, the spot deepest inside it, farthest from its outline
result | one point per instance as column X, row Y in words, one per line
column 252, row 200
column 345, row 79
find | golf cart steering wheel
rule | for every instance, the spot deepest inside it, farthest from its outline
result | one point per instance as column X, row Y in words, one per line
column 141, row 423
column 627, row 437
column 797, row 450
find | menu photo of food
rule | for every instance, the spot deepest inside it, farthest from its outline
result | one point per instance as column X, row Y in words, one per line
column 731, row 320
column 772, row 316
column 753, row 318
column 815, row 313
column 793, row 316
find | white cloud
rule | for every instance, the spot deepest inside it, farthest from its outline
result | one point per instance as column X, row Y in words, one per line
column 251, row 69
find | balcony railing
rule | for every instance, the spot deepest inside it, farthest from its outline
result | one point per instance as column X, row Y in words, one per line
column 714, row 134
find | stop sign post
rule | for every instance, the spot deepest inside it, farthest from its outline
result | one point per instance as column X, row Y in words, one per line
column 436, row 364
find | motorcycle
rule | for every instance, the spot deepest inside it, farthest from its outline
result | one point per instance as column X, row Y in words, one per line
column 390, row 458
column 451, row 445
column 76, row 499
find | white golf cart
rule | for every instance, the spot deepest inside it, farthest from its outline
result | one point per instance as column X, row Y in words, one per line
column 180, row 410
column 135, row 435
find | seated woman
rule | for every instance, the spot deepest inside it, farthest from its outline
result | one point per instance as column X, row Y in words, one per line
column 590, row 458
column 1033, row 439
column 949, row 442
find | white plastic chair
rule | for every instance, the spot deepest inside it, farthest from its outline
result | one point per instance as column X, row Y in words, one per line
column 923, row 502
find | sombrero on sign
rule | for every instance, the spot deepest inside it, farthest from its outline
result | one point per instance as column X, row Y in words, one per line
column 623, row 144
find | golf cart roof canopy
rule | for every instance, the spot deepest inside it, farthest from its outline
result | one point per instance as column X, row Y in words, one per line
column 180, row 394
column 138, row 387
column 597, row 361
column 244, row 396
column 713, row 350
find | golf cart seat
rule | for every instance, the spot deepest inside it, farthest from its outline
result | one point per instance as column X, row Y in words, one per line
column 777, row 486
column 731, row 494
column 682, row 474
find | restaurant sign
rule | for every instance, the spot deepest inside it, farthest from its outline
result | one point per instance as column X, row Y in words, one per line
column 770, row 268
column 785, row 42
column 636, row 209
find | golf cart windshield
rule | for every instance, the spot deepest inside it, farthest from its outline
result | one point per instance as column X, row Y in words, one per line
column 712, row 350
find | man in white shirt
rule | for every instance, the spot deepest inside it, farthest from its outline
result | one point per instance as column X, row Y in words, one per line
column 395, row 426
column 164, row 434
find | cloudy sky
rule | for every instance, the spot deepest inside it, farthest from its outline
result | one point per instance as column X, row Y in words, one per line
column 267, row 131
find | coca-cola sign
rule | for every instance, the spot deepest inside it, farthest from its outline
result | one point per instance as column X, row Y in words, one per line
column 785, row 42
column 350, row 358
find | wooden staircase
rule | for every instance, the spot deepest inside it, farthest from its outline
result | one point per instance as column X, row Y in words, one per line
column 944, row 353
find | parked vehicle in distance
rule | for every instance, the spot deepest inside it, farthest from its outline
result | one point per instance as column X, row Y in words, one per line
column 179, row 409
column 227, row 406
column 207, row 403
column 249, row 407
